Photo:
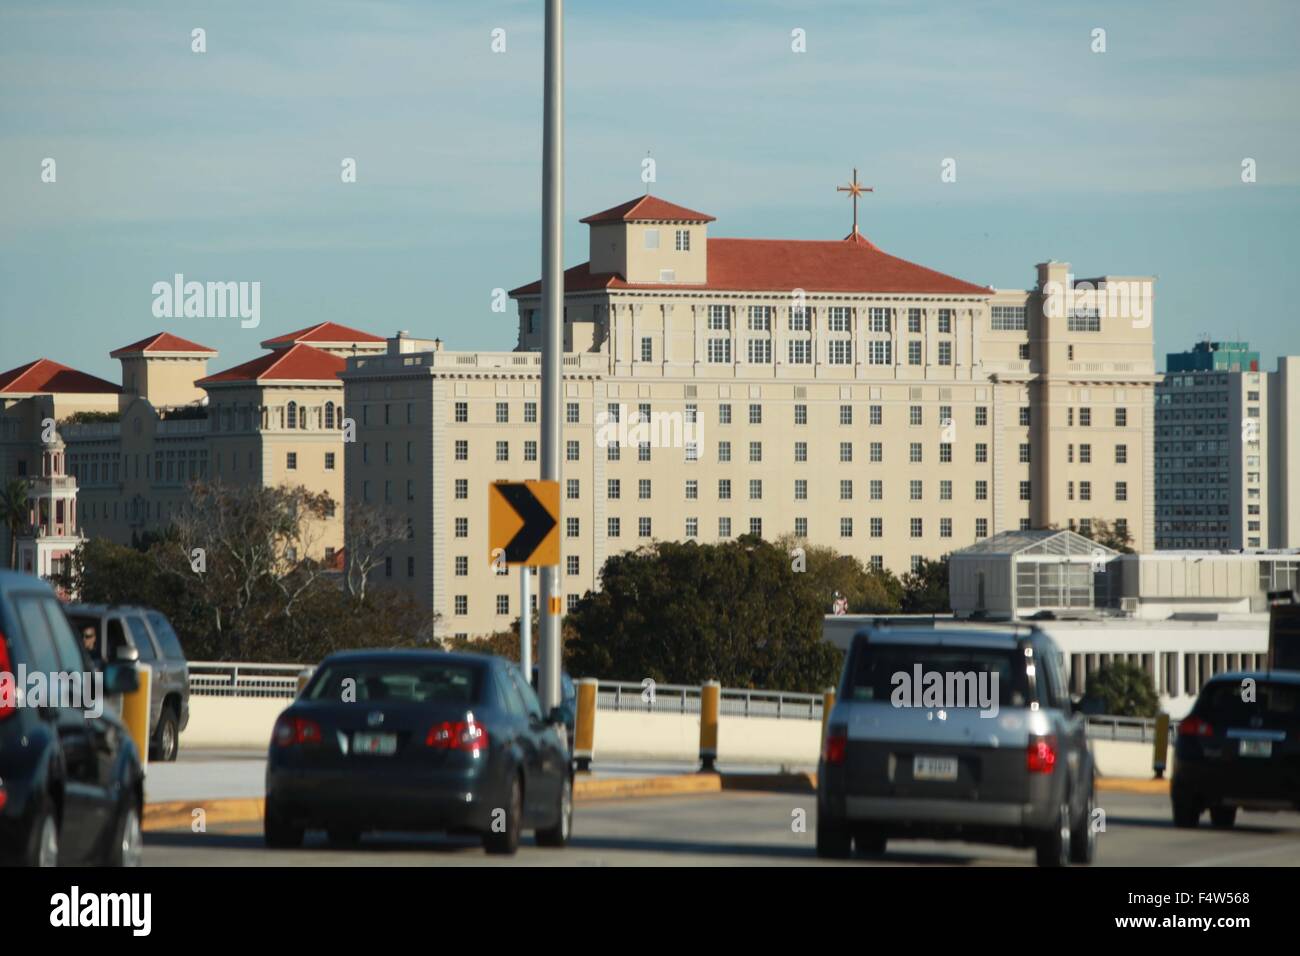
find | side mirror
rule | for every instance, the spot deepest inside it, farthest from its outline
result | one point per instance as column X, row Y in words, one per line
column 127, row 654
column 556, row 716
column 121, row 678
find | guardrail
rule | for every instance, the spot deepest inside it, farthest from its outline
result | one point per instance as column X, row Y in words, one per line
column 1143, row 729
column 216, row 679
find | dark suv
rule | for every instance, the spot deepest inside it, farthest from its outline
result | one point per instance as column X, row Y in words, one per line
column 1239, row 747
column 956, row 733
column 71, row 784
column 151, row 635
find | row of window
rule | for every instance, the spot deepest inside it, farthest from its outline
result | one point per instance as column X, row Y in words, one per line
column 839, row 318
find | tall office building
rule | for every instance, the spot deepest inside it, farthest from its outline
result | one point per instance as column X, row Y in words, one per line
column 717, row 387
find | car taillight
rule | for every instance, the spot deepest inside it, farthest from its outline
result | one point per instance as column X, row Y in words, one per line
column 1195, row 727
column 834, row 746
column 4, row 796
column 1041, row 755
column 457, row 735
column 9, row 690
column 296, row 730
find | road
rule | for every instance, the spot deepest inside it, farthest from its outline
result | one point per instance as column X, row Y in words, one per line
column 746, row 829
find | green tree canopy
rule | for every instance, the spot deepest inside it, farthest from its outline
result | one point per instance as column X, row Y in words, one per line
column 1122, row 689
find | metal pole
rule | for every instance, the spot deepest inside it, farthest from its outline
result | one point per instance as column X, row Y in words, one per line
column 525, row 624
column 548, row 650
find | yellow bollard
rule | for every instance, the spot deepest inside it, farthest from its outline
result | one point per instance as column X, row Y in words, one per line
column 1159, row 759
column 828, row 704
column 135, row 713
column 584, row 728
column 710, row 704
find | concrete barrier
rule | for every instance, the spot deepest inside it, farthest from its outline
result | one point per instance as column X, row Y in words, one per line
column 234, row 722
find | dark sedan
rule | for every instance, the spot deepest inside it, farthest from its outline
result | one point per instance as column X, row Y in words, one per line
column 1239, row 747
column 418, row 741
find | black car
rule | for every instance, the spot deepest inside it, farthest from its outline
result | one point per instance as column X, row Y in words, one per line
column 1239, row 747
column 418, row 741
column 71, row 785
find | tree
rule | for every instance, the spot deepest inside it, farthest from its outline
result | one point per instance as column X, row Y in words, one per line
column 1116, row 537
column 686, row 612
column 867, row 590
column 369, row 533
column 1122, row 689
column 925, row 590
column 13, row 514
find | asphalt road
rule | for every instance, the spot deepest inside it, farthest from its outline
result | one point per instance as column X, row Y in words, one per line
column 746, row 829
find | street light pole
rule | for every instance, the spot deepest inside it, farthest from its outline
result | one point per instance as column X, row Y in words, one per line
column 548, row 650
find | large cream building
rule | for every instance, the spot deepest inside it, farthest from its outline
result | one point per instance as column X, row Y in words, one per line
column 277, row 419
column 824, row 389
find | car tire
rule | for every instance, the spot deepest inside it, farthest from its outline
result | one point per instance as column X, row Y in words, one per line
column 43, row 842
column 278, row 832
column 834, row 840
column 869, row 842
column 166, row 744
column 558, row 835
column 506, row 841
column 127, row 848
column 1223, row 818
column 343, row 837
column 1187, row 813
column 1083, row 838
column 1053, row 847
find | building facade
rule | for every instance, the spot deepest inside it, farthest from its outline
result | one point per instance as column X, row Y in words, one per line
column 720, row 387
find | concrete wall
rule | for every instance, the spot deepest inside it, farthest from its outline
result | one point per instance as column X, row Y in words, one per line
column 246, row 723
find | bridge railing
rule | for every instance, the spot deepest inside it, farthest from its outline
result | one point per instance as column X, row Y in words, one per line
column 216, row 679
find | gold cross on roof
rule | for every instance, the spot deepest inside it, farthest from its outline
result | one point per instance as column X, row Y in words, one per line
column 855, row 189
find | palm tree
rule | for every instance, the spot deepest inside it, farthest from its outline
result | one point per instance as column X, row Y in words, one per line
column 13, row 514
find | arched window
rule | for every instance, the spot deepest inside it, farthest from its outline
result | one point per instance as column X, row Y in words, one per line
column 329, row 414
column 291, row 415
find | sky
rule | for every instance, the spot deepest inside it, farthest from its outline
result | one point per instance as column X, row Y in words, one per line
column 225, row 165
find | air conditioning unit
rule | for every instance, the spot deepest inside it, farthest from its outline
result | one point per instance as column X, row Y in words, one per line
column 1128, row 605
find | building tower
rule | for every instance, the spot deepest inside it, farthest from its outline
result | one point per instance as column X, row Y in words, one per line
column 52, row 515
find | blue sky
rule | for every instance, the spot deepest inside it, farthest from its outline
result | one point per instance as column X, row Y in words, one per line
column 225, row 165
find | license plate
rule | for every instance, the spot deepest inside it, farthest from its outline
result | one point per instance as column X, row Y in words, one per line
column 1256, row 748
column 375, row 745
column 934, row 768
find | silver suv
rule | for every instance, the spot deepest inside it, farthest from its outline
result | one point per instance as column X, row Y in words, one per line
column 956, row 733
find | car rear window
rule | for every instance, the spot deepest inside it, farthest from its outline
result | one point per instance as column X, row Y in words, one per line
column 1228, row 702
column 398, row 682
column 167, row 639
column 879, row 671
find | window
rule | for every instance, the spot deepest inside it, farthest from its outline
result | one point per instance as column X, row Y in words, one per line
column 572, row 565
column 981, row 416
column 760, row 318
column 571, row 526
column 755, row 489
column 329, row 414
column 530, row 413
column 462, row 604
column 759, row 351
column 613, row 489
column 724, row 489
column 291, row 461
column 914, row 489
column 839, row 352
column 724, row 414
column 914, row 320
column 1007, row 318
column 291, row 415
column 800, row 351
column 1024, row 415
column 503, row 413
column 692, row 527
column 837, row 318
column 530, row 450
column 692, row 489
column 846, row 527
column 981, row 527
column 756, row 451
column 571, row 449
column 846, row 451
column 1082, row 320
column 1121, row 417
column 756, row 527
column 917, row 528
column 1025, row 489
column 846, row 414
column 503, row 603
column 981, row 453
column 643, row 489
column 724, row 451
column 877, row 319
column 1024, row 453
column 1121, row 454
column 611, row 528
column 571, row 413
column 945, row 353
column 877, row 489
column 1085, row 454
column 876, row 414
column 799, row 316
column 945, row 490
column 945, row 321
column 914, row 453
column 945, row 453
column 571, row 488
column 877, row 527
column 647, row 349
column 800, row 451
column 914, row 352
column 1085, row 490
column 462, row 411
column 719, row 351
column 719, row 318
column 1024, row 351
column 643, row 451
column 462, row 527
column 756, row 414
column 846, row 489
column 1121, row 491
column 503, row 451
column 462, row 565
column 683, row 240
column 801, row 414
column 801, row 527
column 914, row 415
column 724, row 527
column 801, row 489
column 462, row 449
column 877, row 452
column 643, row 527
column 945, row 527
column 878, row 352
column 1085, row 417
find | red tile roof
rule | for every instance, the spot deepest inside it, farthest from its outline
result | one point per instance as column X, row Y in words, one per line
column 44, row 376
column 648, row 207
column 162, row 342
column 297, row 363
column 780, row 265
column 322, row 332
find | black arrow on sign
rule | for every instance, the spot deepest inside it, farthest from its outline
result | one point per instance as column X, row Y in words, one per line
column 537, row 522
